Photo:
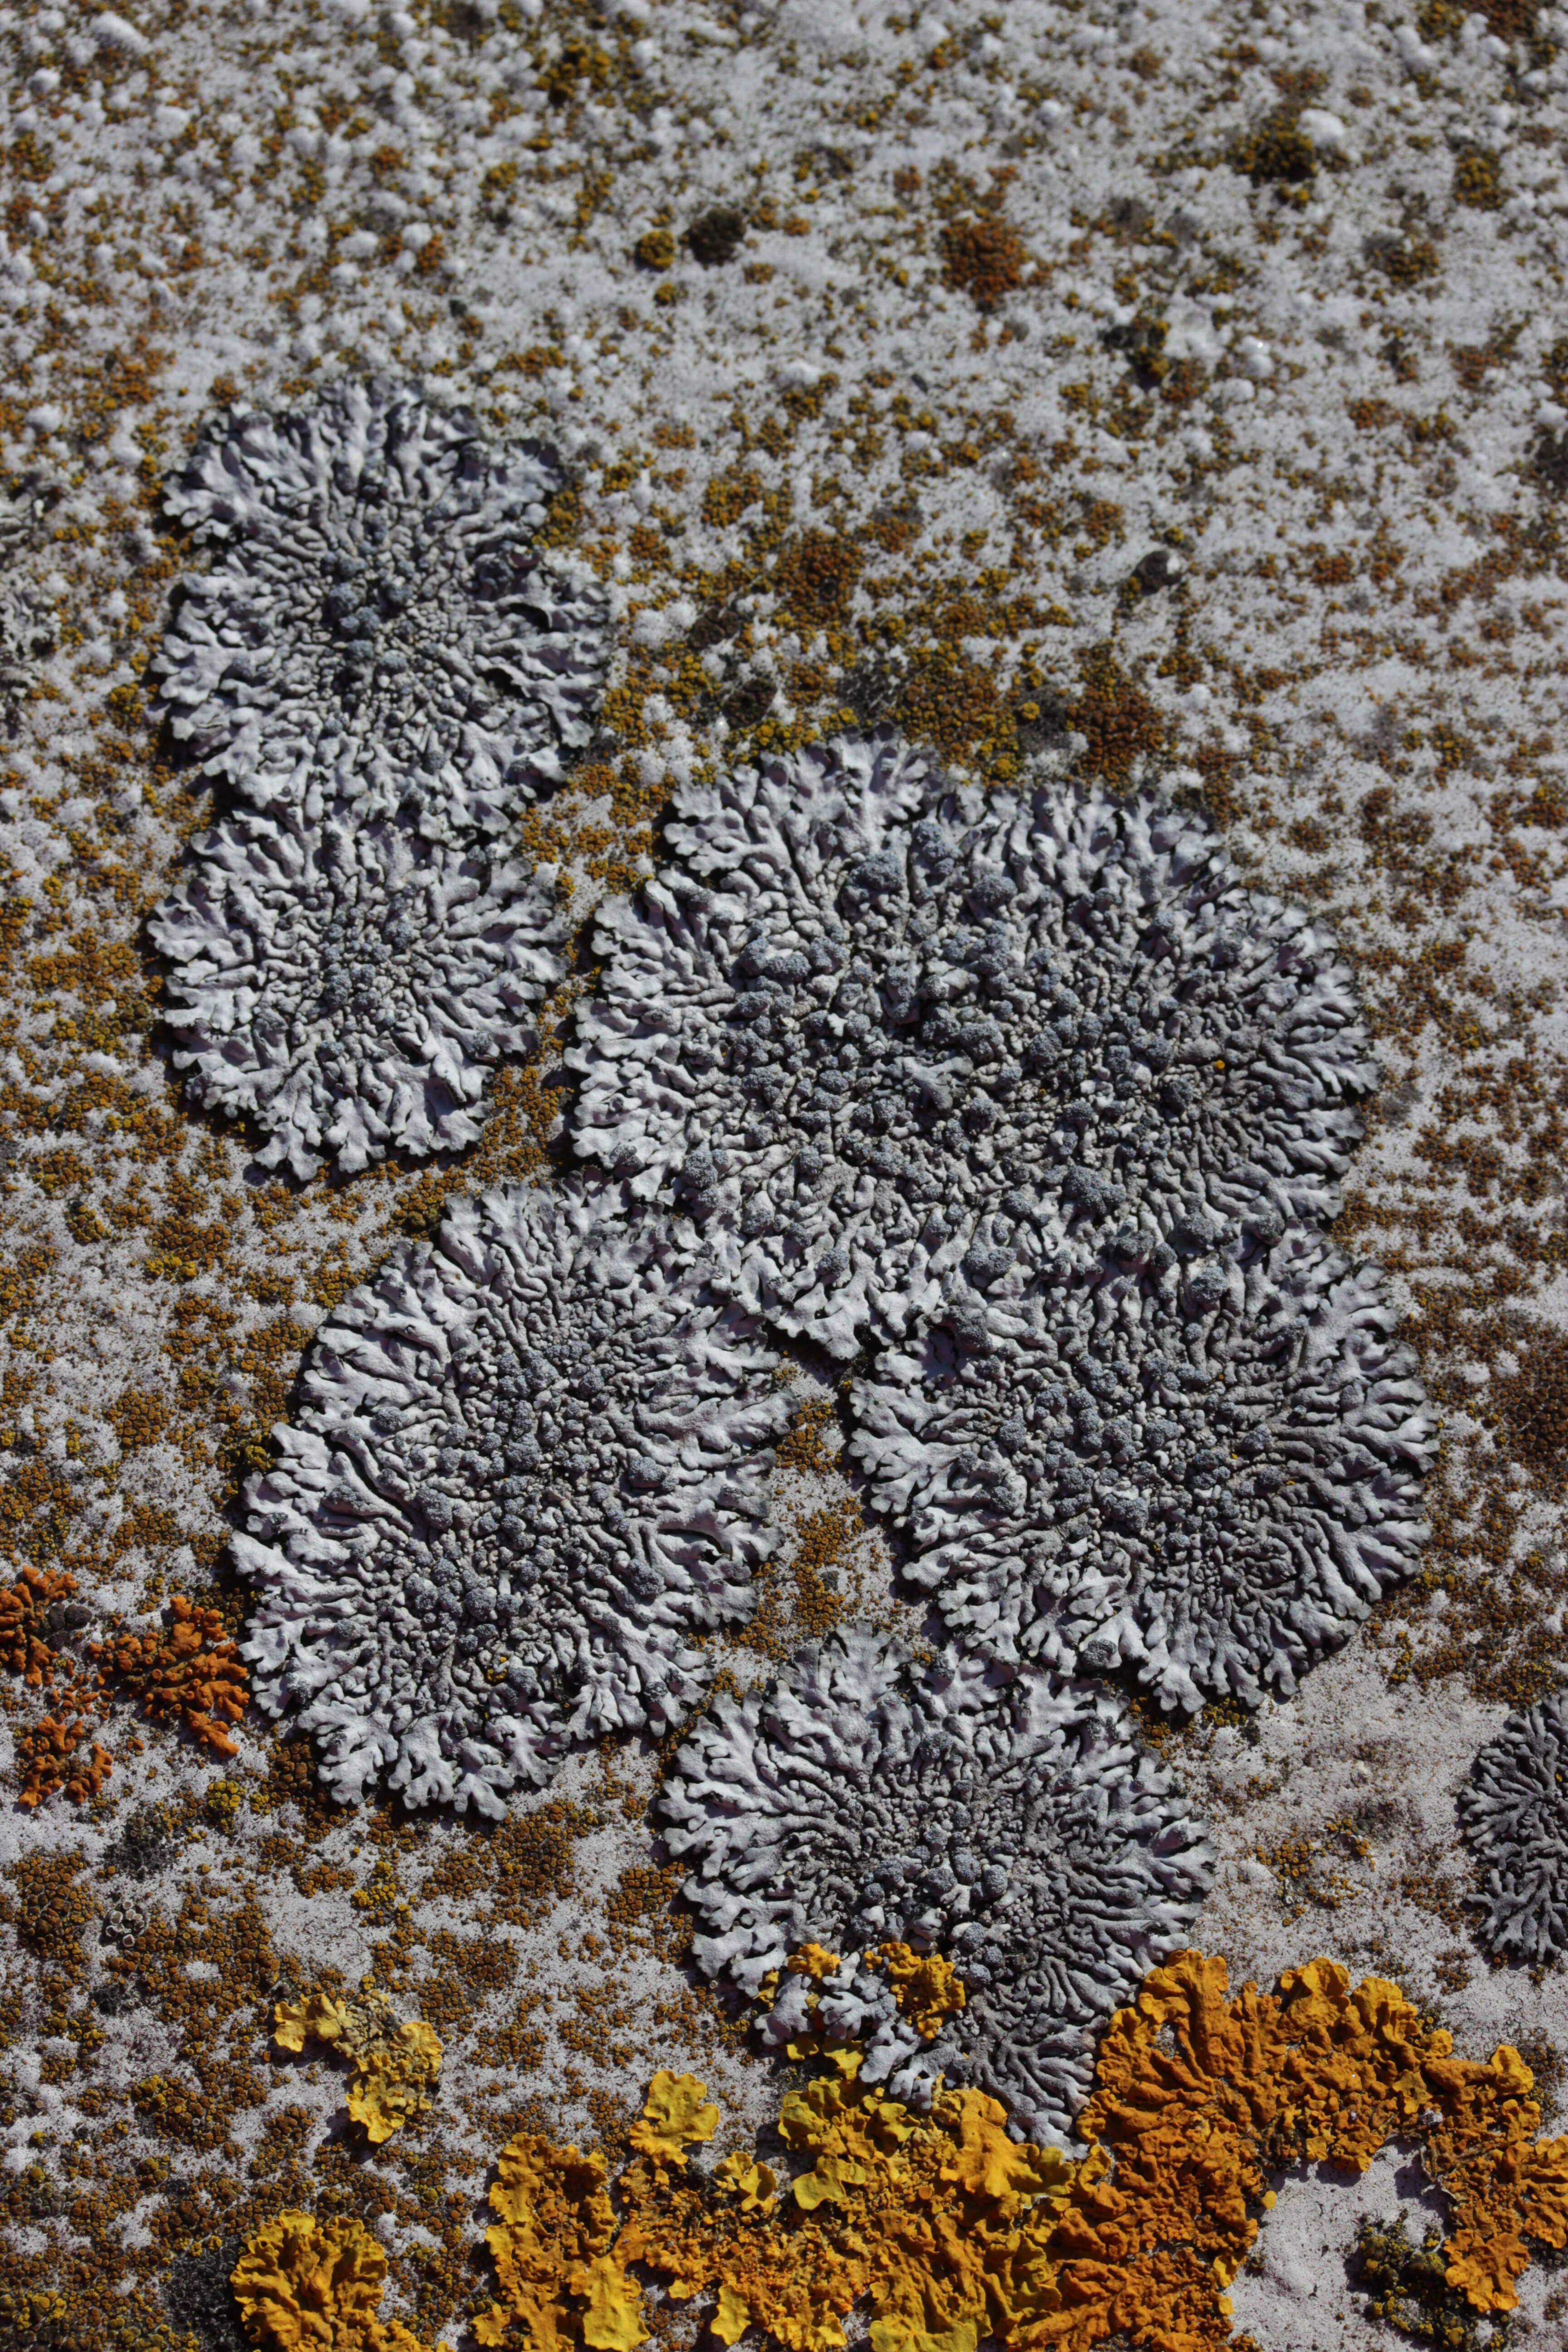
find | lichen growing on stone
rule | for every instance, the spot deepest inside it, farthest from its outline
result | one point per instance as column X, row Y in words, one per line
column 1208, row 1477
column 300, row 2281
column 950, row 2232
column 891, row 1047
column 1011, row 1825
column 376, row 626
column 1515, row 1813
column 526, row 1471
column 395, row 2064
column 352, row 985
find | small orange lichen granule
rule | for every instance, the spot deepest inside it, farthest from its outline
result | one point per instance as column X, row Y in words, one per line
column 302, row 2282
column 46, row 1761
column 25, row 1648
column 190, row 1669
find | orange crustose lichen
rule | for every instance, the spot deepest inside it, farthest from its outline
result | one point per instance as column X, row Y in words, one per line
column 952, row 2231
column 25, row 1647
column 46, row 1761
column 190, row 1670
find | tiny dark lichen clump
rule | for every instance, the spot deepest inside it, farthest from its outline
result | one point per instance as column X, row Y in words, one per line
column 1012, row 1825
column 527, row 1472
column 1514, row 1814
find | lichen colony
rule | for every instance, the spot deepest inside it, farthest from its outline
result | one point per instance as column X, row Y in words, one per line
column 893, row 1048
column 527, row 1472
column 376, row 626
column 1515, row 1813
column 1011, row 1823
column 1208, row 1478
column 351, row 984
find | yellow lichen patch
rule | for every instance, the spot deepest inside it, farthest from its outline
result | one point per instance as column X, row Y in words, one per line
column 673, row 2117
column 927, row 1987
column 553, row 2227
column 949, row 2230
column 393, row 2065
column 303, row 2283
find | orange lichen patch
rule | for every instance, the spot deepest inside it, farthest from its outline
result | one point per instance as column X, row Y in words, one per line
column 190, row 1669
column 952, row 2231
column 302, row 2282
column 551, row 2242
column 1197, row 2097
column 24, row 1646
column 46, row 1761
column 816, row 573
column 394, row 2064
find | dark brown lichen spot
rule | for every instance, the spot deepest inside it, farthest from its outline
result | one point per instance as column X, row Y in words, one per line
column 984, row 259
column 715, row 236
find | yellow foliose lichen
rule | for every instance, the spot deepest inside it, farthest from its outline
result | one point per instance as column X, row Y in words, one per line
column 304, row 2285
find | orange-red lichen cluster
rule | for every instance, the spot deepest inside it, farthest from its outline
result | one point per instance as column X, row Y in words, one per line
column 190, row 1670
column 47, row 1760
column 24, row 1646
column 952, row 2231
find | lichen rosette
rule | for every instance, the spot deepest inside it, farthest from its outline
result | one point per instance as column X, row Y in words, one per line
column 526, row 1476
column 1206, row 1479
column 1515, row 1813
column 1011, row 1824
column 377, row 626
column 352, row 986
column 886, row 1043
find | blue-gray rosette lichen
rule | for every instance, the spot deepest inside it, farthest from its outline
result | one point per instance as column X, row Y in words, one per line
column 526, row 1475
column 1206, row 1477
column 886, row 1043
column 1515, row 1813
column 1010, row 1823
column 352, row 986
column 376, row 626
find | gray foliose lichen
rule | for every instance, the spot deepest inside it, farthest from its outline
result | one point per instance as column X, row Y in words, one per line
column 884, row 1043
column 1514, row 1814
column 376, row 628
column 1206, row 1477
column 529, row 1467
column 1010, row 1823
column 352, row 986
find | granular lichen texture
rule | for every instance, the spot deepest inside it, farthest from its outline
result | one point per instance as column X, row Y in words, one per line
column 526, row 1472
column 952, row 2232
column 1207, row 1478
column 352, row 985
column 376, row 627
column 1010, row 1824
column 892, row 1048
column 1515, row 1813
